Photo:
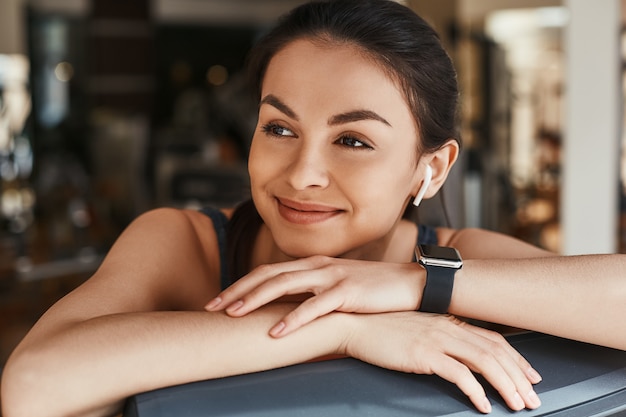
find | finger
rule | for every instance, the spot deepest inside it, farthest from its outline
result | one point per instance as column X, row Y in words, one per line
column 518, row 373
column 494, row 362
column 235, row 291
column 286, row 283
column 247, row 283
column 531, row 374
column 482, row 361
column 455, row 372
column 518, row 368
column 477, row 356
column 264, row 293
column 307, row 311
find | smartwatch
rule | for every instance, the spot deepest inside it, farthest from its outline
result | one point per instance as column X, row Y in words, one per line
column 441, row 263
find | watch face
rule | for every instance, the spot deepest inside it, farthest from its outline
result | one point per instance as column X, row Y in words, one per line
column 440, row 256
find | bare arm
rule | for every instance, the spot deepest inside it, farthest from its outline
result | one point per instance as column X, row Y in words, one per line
column 119, row 333
column 92, row 366
column 503, row 281
column 510, row 282
column 581, row 298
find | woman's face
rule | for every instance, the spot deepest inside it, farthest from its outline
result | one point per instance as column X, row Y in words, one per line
column 333, row 159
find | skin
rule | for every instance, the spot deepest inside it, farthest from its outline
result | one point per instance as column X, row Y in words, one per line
column 337, row 159
column 140, row 322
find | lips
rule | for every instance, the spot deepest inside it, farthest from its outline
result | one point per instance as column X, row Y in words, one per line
column 305, row 213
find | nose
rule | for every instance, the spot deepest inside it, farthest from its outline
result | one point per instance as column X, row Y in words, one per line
column 308, row 168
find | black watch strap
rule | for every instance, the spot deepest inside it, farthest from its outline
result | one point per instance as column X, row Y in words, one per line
column 438, row 289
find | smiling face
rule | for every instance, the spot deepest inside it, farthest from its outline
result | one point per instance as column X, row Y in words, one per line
column 333, row 160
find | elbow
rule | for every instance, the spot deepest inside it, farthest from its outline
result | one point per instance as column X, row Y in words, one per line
column 18, row 388
column 35, row 383
column 14, row 389
column 27, row 388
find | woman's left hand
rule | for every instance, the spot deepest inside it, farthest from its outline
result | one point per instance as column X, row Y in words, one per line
column 345, row 285
column 425, row 343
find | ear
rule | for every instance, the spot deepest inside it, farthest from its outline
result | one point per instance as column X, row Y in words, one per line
column 440, row 161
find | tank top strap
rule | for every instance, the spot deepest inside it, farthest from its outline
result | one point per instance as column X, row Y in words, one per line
column 426, row 235
column 220, row 223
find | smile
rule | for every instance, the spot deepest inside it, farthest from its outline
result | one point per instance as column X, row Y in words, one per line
column 305, row 213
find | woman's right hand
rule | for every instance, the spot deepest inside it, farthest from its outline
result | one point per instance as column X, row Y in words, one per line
column 335, row 284
column 423, row 343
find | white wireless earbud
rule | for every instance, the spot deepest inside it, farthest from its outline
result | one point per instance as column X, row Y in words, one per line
column 420, row 194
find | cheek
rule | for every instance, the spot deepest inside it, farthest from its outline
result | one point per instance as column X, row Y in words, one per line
column 384, row 192
column 253, row 160
column 260, row 162
column 258, row 170
column 387, row 180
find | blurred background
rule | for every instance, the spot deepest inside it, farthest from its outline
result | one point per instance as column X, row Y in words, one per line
column 109, row 108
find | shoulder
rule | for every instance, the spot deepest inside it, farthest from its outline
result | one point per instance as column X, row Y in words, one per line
column 178, row 233
column 178, row 225
column 479, row 243
column 171, row 256
column 178, row 217
column 166, row 259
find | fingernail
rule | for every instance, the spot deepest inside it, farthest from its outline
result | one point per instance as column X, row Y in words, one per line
column 213, row 303
column 533, row 375
column 534, row 399
column 486, row 406
column 234, row 306
column 277, row 330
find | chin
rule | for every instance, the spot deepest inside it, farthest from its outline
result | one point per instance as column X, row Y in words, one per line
column 305, row 249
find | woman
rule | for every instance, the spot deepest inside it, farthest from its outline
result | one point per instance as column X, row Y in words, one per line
column 356, row 118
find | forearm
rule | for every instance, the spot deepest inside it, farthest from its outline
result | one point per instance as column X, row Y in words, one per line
column 580, row 297
column 99, row 362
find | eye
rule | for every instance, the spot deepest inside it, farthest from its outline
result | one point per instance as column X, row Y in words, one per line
column 352, row 142
column 275, row 129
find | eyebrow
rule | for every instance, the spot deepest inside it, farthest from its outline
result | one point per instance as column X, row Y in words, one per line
column 355, row 116
column 342, row 118
column 274, row 101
